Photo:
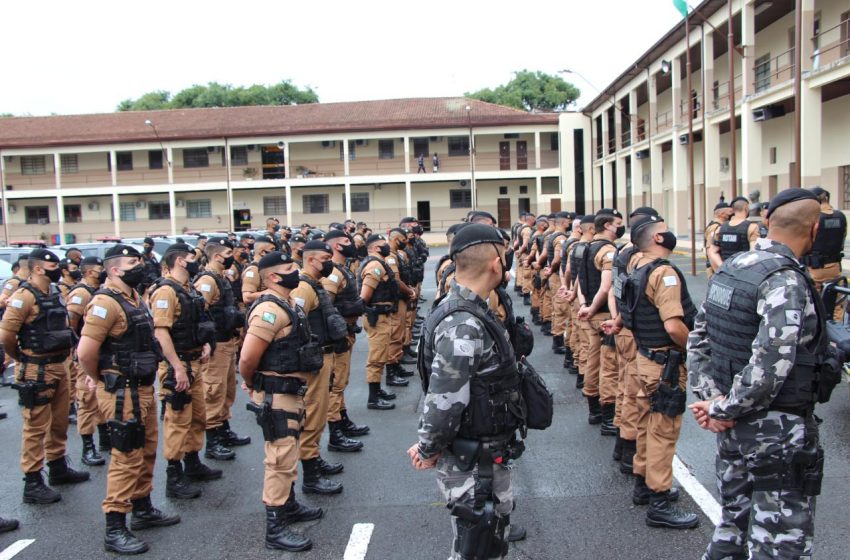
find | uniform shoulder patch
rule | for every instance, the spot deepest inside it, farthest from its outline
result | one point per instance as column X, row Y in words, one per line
column 390, row 261
column 299, row 301
column 378, row 271
column 610, row 255
column 249, row 274
column 17, row 303
column 206, row 287
column 792, row 317
column 671, row 281
column 162, row 304
column 269, row 317
column 465, row 348
column 333, row 278
column 99, row 311
column 8, row 286
column 76, row 300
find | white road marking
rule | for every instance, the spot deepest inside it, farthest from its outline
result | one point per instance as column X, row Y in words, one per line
column 15, row 548
column 358, row 542
column 698, row 492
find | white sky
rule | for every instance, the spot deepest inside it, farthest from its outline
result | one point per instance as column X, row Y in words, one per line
column 85, row 57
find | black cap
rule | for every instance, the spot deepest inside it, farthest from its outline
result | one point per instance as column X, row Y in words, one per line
column 642, row 222
column 201, row 237
column 542, row 219
column 336, row 234
column 375, row 238
column 790, row 195
column 738, row 199
column 148, row 240
column 178, row 248
column 563, row 215
column 223, row 241
column 316, row 245
column 246, row 236
column 274, row 258
column 644, row 210
column 454, row 228
column 721, row 206
column 481, row 214
column 43, row 255
column 588, row 219
column 263, row 239
column 63, row 263
column 305, row 225
column 407, row 220
column 298, row 238
column 609, row 212
column 121, row 250
column 817, row 191
column 91, row 261
column 474, row 234
column 505, row 235
column 335, row 225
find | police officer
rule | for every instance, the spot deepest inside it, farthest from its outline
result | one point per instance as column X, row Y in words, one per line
column 759, row 360
column 467, row 360
column 118, row 352
column 658, row 310
column 763, row 207
column 570, row 336
column 70, row 276
column 359, row 238
column 824, row 261
column 736, row 235
column 722, row 213
column 550, row 274
column 277, row 371
column 296, row 245
column 36, row 334
column 152, row 267
column 74, row 255
column 252, row 284
column 200, row 255
column 523, row 270
column 578, row 340
column 396, row 261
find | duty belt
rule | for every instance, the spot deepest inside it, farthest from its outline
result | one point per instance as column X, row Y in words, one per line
column 272, row 384
column 657, row 356
column 189, row 356
column 803, row 411
column 42, row 360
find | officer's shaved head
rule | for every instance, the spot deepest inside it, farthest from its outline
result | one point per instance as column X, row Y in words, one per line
column 475, row 260
column 646, row 235
column 795, row 218
column 741, row 206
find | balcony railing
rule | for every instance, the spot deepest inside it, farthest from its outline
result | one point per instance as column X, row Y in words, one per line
column 641, row 130
column 695, row 106
column 831, row 45
column 626, row 138
column 720, row 93
column 776, row 70
column 663, row 121
column 612, row 145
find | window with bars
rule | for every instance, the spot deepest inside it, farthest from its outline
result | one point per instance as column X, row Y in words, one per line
column 39, row 215
column 386, row 149
column 70, row 163
column 33, row 165
column 274, row 205
column 201, row 208
column 316, row 203
column 359, row 202
column 128, row 211
column 351, row 150
column 238, row 155
column 845, row 178
column 195, row 157
column 762, row 67
column 458, row 145
column 73, row 213
column 155, row 159
column 159, row 210
column 460, row 198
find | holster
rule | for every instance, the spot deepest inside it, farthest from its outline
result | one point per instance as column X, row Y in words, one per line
column 177, row 399
column 29, row 393
column 802, row 471
column 274, row 422
column 126, row 436
column 669, row 399
column 372, row 316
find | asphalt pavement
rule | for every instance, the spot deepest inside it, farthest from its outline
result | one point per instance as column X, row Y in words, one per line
column 571, row 496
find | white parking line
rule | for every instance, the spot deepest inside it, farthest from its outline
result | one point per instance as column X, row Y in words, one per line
column 698, row 492
column 15, row 548
column 358, row 542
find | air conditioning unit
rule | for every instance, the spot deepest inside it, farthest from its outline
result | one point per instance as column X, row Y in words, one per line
column 328, row 143
column 462, row 182
column 683, row 139
column 770, row 112
column 95, row 205
column 180, row 203
column 642, row 154
column 141, row 204
column 214, row 149
column 361, row 142
column 251, row 147
column 724, row 164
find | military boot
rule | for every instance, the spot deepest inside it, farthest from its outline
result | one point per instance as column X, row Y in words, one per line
column 569, row 360
column 393, row 378
column 215, row 448
column 627, row 461
column 535, row 316
column 594, row 411
column 641, row 492
column 7, row 525
column 145, row 516
column 229, row 438
column 327, row 468
column 37, row 492
column 177, row 486
column 546, row 328
column 90, row 455
column 410, row 351
column 407, row 359
column 104, row 440
column 579, row 380
column 377, row 401
column 339, row 442
column 314, row 482
column 60, row 473
column 294, row 512
column 72, row 413
column 118, row 538
column 662, row 513
column 618, row 449
column 608, row 428
column 279, row 537
column 351, row 429
column 196, row 470
column 401, row 372
column 526, row 299
column 558, row 344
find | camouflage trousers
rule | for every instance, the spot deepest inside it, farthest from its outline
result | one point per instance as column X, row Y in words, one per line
column 760, row 523
column 458, row 485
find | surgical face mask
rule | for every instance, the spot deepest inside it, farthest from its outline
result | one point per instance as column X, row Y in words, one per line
column 347, row 251
column 620, row 231
column 289, row 281
column 76, row 275
column 668, row 240
column 54, row 275
column 327, row 269
column 384, row 250
column 509, row 259
column 148, row 248
column 228, row 262
column 134, row 276
column 192, row 268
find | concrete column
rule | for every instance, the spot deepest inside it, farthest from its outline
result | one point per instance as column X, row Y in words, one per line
column 539, row 189
column 4, row 199
column 748, row 38
column 169, row 155
column 608, row 182
column 288, row 189
column 57, row 174
column 708, row 70
column 711, row 140
column 116, row 211
column 537, row 150
column 345, row 158
column 618, row 128
column 808, row 34
column 408, row 198
column 677, row 93
column 172, row 204
column 407, row 154
column 347, row 200
column 656, row 166
column 632, row 121
column 622, row 187
column 287, row 166
column 677, row 214
column 750, row 150
column 605, row 151
column 653, row 106
column 810, row 140
column 113, row 165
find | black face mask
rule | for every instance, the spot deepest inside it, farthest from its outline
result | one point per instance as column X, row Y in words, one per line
column 289, row 281
column 148, row 249
column 668, row 240
column 509, row 259
column 504, row 268
column 327, row 269
column 101, row 278
column 620, row 231
column 417, row 230
column 228, row 262
column 296, row 253
column 347, row 251
column 384, row 250
column 54, row 275
column 134, row 276
column 192, row 267
column 76, row 275
column 277, row 228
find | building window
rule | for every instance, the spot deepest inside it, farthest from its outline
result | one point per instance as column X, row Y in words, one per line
column 124, row 161
column 73, row 213
column 195, row 157
column 773, row 155
column 458, row 145
column 201, row 208
column 128, row 211
column 316, row 203
column 359, row 202
column 420, row 147
column 33, row 165
column 523, row 189
column 238, row 155
column 460, row 198
column 159, row 210
column 274, row 205
column 386, row 149
column 553, row 141
column 351, row 150
column 845, row 181
column 503, row 190
column 762, row 68
column 155, row 159
column 70, row 163
column 511, row 136
column 39, row 215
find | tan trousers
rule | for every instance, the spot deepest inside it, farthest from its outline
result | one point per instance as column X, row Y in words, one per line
column 341, row 375
column 575, row 332
column 73, row 373
column 130, row 475
column 592, row 362
column 545, row 299
column 657, row 433
column 281, row 455
column 184, row 429
column 89, row 415
column 536, row 293
column 628, row 384
column 316, row 403
column 527, row 276
column 45, row 430
column 379, row 347
column 398, row 322
column 560, row 307
column 217, row 374
column 825, row 274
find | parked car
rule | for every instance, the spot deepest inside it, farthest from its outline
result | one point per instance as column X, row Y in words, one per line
column 95, row 249
column 5, row 271
column 161, row 243
column 12, row 254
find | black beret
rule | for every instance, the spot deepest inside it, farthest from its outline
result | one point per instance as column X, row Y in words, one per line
column 298, row 238
column 246, row 236
column 178, row 248
column 64, row 263
column 644, row 210
column 818, row 192
column 474, row 234
column 317, row 236
column 505, row 235
column 305, row 225
column 22, row 258
column 721, row 206
column 316, row 245
column 543, row 219
column 148, row 240
column 43, row 255
column 274, row 258
column 609, row 212
column 121, row 250
column 454, row 228
column 223, row 241
column 402, row 231
column 589, row 219
column 92, row 260
column 643, row 222
column 481, row 214
column 738, row 199
column 336, row 234
column 407, row 220
column 263, row 239
column 790, row 195
column 335, row 225
column 375, row 238
column 563, row 215
column 201, row 237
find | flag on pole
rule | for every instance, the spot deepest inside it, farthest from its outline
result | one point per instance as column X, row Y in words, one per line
column 682, row 6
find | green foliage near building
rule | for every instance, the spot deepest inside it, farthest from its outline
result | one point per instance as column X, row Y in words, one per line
column 531, row 91
column 214, row 94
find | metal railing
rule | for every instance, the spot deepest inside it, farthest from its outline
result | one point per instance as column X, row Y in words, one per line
column 720, row 93
column 612, row 145
column 626, row 138
column 830, row 46
column 695, row 105
column 663, row 121
column 778, row 69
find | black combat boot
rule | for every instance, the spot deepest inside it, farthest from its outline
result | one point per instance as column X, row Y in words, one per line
column 515, row 532
column 579, row 380
column 410, row 351
column 60, row 473
column 662, row 513
column 393, row 378
column 627, row 461
column 569, row 360
column 339, row 442
column 407, row 360
column 376, row 402
column 641, row 492
column 618, row 449
column 295, row 512
column 90, row 455
column 37, row 492
column 215, row 448
column 351, row 429
column 230, row 438
column 104, row 440
column 535, row 316
column 547, row 328
column 177, row 486
column 119, row 539
column 145, row 516
column 400, row 371
column 196, row 470
column 314, row 482
column 72, row 413
column 608, row 428
column 526, row 299
column 327, row 468
column 594, row 410
column 7, row 525
column 558, row 344
column 386, row 395
column 279, row 537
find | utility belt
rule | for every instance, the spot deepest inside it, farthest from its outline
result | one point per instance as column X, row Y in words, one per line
column 112, row 382
column 275, row 422
column 177, row 399
column 190, row 356
column 658, row 356
column 43, row 360
column 800, row 471
column 29, row 391
column 275, row 385
column 821, row 261
column 669, row 398
column 374, row 311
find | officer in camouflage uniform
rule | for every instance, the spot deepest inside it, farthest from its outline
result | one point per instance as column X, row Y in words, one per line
column 759, row 396
column 466, row 352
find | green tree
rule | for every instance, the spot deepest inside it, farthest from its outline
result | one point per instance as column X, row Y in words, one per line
column 215, row 94
column 531, row 91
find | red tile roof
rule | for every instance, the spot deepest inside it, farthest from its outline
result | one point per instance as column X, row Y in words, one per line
column 234, row 122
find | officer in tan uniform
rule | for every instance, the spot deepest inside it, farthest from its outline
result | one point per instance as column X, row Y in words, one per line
column 277, row 371
column 824, row 260
column 14, row 282
column 524, row 271
column 577, row 337
column 118, row 352
column 70, row 276
column 200, row 255
column 36, row 334
column 736, row 235
column 252, row 283
column 722, row 213
column 550, row 274
column 183, row 330
column 395, row 372
column 570, row 338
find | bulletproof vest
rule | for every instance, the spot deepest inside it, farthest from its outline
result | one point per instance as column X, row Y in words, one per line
column 50, row 330
column 643, row 317
column 224, row 312
column 91, row 292
column 732, row 322
column 619, row 277
column 444, row 278
column 590, row 279
column 538, row 240
column 122, row 352
column 550, row 246
column 237, row 285
column 520, row 335
column 324, row 320
column 404, row 269
column 521, row 233
column 417, row 270
column 829, row 242
column 287, row 354
column 443, row 259
column 734, row 239
column 708, row 225
column 361, row 252
column 386, row 291
column 496, row 407
column 565, row 248
column 152, row 268
column 347, row 300
column 186, row 331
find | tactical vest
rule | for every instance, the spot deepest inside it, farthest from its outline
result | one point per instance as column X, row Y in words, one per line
column 348, row 301
column 404, row 268
column 387, row 291
column 224, row 312
column 521, row 337
column 590, row 279
column 296, row 352
column 91, row 291
column 565, row 249
column 829, row 242
column 732, row 322
column 550, row 246
column 443, row 259
column 192, row 328
column 237, row 285
column 538, row 240
column 496, row 407
column 444, row 278
column 619, row 277
column 644, row 319
column 361, row 251
column 520, row 234
column 734, row 239
column 50, row 331
column 135, row 353
column 326, row 324
column 152, row 268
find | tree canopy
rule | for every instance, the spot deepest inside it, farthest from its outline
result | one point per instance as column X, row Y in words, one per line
column 222, row 95
column 531, row 91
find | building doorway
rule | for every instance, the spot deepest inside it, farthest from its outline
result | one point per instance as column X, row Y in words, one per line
column 503, row 212
column 242, row 219
column 274, row 166
column 504, row 156
column 521, row 154
column 423, row 214
column 524, row 205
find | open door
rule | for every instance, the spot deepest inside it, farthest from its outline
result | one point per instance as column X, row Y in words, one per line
column 242, row 220
column 423, row 214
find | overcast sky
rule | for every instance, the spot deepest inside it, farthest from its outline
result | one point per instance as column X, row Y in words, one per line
column 85, row 57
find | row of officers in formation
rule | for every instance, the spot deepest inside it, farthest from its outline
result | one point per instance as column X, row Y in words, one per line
column 284, row 309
